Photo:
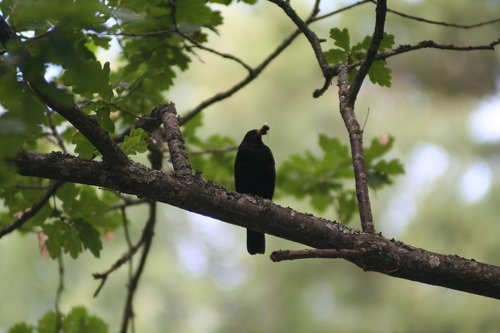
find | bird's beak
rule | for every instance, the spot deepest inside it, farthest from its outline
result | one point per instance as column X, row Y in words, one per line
column 264, row 129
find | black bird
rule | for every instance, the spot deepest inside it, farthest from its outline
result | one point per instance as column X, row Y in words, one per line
column 255, row 174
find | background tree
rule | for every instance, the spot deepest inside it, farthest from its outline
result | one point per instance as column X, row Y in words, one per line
column 59, row 93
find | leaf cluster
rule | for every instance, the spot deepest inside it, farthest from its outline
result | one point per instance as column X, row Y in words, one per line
column 326, row 180
column 379, row 73
column 83, row 216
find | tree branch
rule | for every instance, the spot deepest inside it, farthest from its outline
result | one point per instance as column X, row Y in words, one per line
column 191, row 193
column 175, row 141
column 357, row 152
column 310, row 35
column 259, row 68
column 445, row 24
column 147, row 238
column 347, row 97
column 431, row 44
column 30, row 212
column 282, row 255
column 378, row 35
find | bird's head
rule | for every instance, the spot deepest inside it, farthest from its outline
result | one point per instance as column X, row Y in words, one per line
column 255, row 135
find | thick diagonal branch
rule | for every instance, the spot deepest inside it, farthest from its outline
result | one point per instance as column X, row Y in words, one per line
column 196, row 195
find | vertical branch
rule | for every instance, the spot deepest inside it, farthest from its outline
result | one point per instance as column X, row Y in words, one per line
column 59, row 292
column 358, row 159
column 378, row 35
column 148, row 233
column 155, row 156
column 175, row 141
column 347, row 98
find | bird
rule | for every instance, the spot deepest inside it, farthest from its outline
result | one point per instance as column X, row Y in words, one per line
column 255, row 174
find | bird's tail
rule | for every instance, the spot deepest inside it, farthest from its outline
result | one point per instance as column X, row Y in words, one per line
column 256, row 242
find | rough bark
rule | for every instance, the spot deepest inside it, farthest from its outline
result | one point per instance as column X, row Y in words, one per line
column 371, row 252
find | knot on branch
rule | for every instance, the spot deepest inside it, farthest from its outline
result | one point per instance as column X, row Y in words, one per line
column 175, row 141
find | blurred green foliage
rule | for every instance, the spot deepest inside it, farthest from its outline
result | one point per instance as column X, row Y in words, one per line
column 76, row 321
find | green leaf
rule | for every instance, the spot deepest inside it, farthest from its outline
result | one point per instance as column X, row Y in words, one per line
column 83, row 148
column 380, row 74
column 341, row 38
column 378, row 148
column 21, row 328
column 319, row 178
column 379, row 171
column 63, row 236
column 105, row 121
column 88, row 77
column 135, row 142
column 335, row 152
column 336, row 56
column 387, row 42
column 79, row 321
column 70, row 241
column 363, row 45
column 194, row 12
column 89, row 237
column 54, row 241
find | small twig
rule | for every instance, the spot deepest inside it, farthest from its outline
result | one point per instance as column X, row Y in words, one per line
column 214, row 150
column 310, row 35
column 30, row 212
column 220, row 54
column 149, row 123
column 282, row 255
column 55, row 134
column 130, row 261
column 59, row 292
column 378, row 35
column 175, row 141
column 130, row 113
column 148, row 234
column 366, row 120
column 156, row 157
column 128, row 203
column 42, row 35
column 431, row 44
column 257, row 70
column 31, row 187
column 157, row 33
column 445, row 24
column 127, row 257
column 335, row 12
column 123, row 259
